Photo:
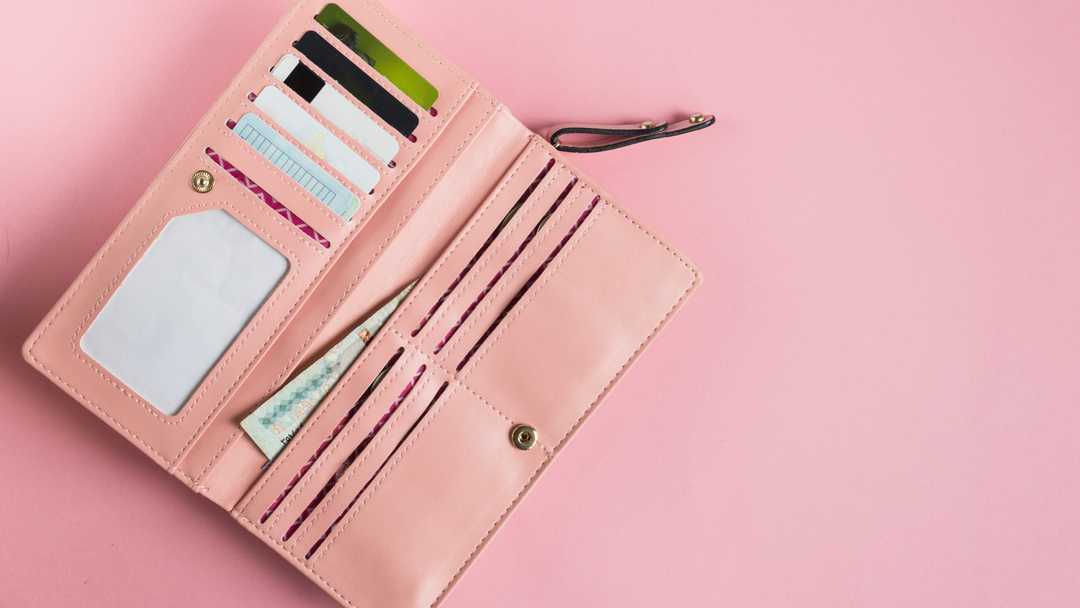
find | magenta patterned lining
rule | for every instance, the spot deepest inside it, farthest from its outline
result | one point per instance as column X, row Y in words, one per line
column 349, row 460
column 352, row 502
column 484, row 247
column 513, row 258
column 529, row 283
column 265, row 197
column 337, row 429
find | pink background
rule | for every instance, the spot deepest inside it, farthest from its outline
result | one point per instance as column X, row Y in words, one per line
column 872, row 401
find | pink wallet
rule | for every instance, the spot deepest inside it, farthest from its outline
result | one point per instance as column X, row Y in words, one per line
column 209, row 297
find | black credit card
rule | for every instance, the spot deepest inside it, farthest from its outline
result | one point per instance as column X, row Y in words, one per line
column 356, row 81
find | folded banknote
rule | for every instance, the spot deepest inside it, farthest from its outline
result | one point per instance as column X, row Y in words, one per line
column 275, row 422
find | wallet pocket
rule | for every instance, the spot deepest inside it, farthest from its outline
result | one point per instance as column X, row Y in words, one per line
column 430, row 509
column 159, row 382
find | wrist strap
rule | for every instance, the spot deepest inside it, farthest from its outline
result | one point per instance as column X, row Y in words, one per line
column 623, row 135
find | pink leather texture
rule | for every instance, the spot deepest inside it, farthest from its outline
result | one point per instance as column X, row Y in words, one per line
column 400, row 525
column 870, row 401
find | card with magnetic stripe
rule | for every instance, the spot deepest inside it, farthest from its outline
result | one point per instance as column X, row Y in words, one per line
column 357, row 82
column 336, row 108
column 294, row 163
column 310, row 132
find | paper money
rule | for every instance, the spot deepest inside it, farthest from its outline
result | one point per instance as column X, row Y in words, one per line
column 276, row 421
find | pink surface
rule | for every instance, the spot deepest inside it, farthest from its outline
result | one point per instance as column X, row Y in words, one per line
column 871, row 401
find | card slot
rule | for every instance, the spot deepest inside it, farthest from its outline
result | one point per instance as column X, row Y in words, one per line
column 372, row 450
column 403, row 42
column 390, row 145
column 317, row 215
column 444, row 283
column 268, row 199
column 374, row 52
column 460, row 475
column 507, row 251
column 507, row 218
column 362, row 152
column 405, row 142
column 514, row 273
column 509, row 262
column 364, row 200
column 347, row 405
column 529, row 283
column 364, row 84
column 359, row 478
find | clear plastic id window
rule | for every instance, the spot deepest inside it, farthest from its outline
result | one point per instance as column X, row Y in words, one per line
column 182, row 305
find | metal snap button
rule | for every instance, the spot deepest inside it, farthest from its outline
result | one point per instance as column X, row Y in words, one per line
column 523, row 437
column 202, row 181
column 696, row 118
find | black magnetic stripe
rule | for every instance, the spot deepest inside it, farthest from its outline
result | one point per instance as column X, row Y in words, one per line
column 304, row 82
column 355, row 81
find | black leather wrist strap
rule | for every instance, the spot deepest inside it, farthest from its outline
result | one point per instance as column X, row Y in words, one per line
column 623, row 135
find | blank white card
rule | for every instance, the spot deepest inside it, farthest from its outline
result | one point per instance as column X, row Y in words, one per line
column 182, row 305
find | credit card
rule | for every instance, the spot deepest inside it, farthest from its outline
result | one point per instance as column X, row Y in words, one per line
column 377, row 55
column 324, row 144
column 336, row 108
column 357, row 82
column 296, row 165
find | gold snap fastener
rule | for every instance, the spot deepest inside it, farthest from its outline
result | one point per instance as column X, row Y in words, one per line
column 696, row 118
column 202, row 181
column 648, row 124
column 523, row 436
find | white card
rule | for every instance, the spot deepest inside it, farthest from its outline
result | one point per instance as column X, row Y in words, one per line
column 182, row 305
column 336, row 108
column 324, row 144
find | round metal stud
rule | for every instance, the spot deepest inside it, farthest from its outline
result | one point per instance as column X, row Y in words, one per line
column 648, row 124
column 202, row 181
column 696, row 118
column 523, row 437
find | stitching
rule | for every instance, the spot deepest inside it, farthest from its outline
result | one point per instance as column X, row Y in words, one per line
column 475, row 272
column 592, row 406
column 214, row 459
column 185, row 151
column 356, row 508
column 361, row 151
column 333, row 217
column 429, row 276
column 404, row 144
column 368, row 451
column 164, row 461
column 505, row 280
column 299, row 563
column 492, row 528
column 124, row 225
column 368, row 351
column 474, row 394
column 536, row 291
column 412, row 40
column 388, row 238
column 298, row 489
column 333, row 172
column 305, row 239
column 330, row 313
column 152, row 236
column 381, row 80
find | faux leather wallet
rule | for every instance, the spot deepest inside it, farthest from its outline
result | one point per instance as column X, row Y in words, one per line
column 321, row 183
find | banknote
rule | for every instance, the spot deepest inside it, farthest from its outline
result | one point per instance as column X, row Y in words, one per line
column 277, row 420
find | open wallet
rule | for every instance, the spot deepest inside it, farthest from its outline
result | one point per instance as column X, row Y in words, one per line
column 347, row 160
